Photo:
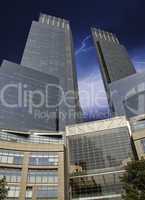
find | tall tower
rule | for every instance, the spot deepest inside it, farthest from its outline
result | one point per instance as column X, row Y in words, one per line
column 49, row 49
column 113, row 57
column 115, row 63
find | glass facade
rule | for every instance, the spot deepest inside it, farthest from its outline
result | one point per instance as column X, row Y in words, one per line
column 115, row 64
column 97, row 151
column 18, row 115
column 95, row 186
column 128, row 94
column 49, row 49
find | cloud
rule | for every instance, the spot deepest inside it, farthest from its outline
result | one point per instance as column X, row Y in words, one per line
column 139, row 65
column 92, row 93
column 140, row 62
column 84, row 46
column 91, row 89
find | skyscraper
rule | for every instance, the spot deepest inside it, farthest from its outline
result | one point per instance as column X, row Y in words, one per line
column 25, row 98
column 49, row 49
column 124, row 86
column 113, row 57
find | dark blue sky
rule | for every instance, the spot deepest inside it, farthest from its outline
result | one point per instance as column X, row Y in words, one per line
column 126, row 18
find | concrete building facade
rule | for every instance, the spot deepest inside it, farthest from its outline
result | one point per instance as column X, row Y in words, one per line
column 33, row 166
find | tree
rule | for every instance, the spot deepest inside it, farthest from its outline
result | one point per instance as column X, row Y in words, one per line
column 134, row 181
column 3, row 189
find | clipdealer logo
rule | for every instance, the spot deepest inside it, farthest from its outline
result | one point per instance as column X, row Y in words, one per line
column 50, row 97
column 132, row 100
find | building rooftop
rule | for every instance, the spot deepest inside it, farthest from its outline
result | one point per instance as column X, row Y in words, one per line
column 53, row 21
column 96, row 126
column 104, row 35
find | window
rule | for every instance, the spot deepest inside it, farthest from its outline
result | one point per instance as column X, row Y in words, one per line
column 12, row 175
column 143, row 144
column 29, row 192
column 44, row 159
column 46, row 192
column 11, row 157
column 14, row 191
column 47, row 176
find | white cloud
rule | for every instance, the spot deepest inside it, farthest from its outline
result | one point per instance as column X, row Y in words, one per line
column 84, row 45
column 92, row 93
column 139, row 65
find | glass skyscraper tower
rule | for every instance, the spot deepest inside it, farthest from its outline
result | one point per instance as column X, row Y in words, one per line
column 124, row 86
column 49, row 49
column 113, row 57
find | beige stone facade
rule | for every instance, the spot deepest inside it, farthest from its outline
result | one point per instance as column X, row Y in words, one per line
column 33, row 170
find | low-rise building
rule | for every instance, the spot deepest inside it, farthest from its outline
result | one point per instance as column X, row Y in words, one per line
column 33, row 165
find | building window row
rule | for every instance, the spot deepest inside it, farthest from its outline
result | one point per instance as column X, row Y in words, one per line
column 35, row 159
column 12, row 175
column 44, row 159
column 4, row 136
column 41, row 176
column 11, row 157
column 46, row 192
column 14, row 192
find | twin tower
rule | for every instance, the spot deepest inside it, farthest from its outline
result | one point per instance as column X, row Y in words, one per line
column 42, row 92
